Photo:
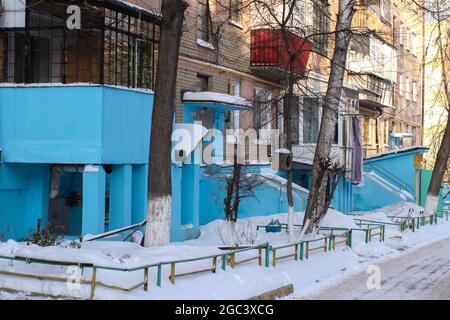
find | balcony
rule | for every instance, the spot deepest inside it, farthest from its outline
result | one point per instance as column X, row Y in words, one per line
column 375, row 93
column 371, row 18
column 116, row 43
column 270, row 54
column 74, row 124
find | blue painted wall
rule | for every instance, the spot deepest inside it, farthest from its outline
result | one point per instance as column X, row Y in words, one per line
column 80, row 124
column 343, row 195
column 202, row 195
column 23, row 191
column 398, row 170
column 74, row 124
column 269, row 199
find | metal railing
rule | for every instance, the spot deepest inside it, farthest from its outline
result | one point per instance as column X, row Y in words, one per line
column 403, row 185
column 302, row 251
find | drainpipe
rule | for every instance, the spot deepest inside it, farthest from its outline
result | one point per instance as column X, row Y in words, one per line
column 422, row 134
column 55, row 177
column 377, row 140
column 54, row 182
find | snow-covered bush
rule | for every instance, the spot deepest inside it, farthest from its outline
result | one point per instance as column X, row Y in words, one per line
column 49, row 236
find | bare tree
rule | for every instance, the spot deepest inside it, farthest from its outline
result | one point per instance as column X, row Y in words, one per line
column 316, row 199
column 240, row 184
column 281, row 16
column 331, row 173
column 160, row 181
column 443, row 155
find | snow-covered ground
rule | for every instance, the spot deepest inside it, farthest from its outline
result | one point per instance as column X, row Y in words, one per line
column 420, row 273
column 246, row 281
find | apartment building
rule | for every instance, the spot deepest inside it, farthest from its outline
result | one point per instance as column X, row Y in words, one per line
column 75, row 114
column 385, row 61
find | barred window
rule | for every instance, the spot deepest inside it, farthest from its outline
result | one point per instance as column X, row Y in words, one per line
column 114, row 46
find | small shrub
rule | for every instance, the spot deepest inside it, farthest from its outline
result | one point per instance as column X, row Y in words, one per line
column 75, row 244
column 49, row 236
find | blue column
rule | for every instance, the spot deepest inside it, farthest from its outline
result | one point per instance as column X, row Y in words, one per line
column 120, row 183
column 93, row 220
column 37, row 197
column 175, row 224
column 139, row 194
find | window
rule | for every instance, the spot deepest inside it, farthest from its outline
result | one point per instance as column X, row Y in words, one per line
column 394, row 29
column 413, row 139
column 400, row 33
column 262, row 113
column 310, row 120
column 295, row 117
column 235, row 10
column 117, row 48
column 320, row 25
column 406, row 89
column 401, row 85
column 235, row 90
column 202, row 83
column 203, row 20
column 336, row 133
column 408, row 39
column 414, row 91
column 382, row 8
column 385, row 9
column 366, row 131
column 413, row 44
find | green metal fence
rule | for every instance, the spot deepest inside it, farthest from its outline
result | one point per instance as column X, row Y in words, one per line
column 301, row 250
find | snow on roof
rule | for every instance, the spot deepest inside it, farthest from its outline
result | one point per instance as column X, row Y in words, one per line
column 136, row 7
column 77, row 84
column 401, row 135
column 283, row 150
column 207, row 96
column 409, row 149
column 188, row 136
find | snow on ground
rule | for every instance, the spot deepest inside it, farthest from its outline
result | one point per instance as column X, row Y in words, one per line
column 245, row 281
column 217, row 232
column 399, row 209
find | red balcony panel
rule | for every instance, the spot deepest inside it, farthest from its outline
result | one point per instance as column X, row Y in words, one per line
column 268, row 49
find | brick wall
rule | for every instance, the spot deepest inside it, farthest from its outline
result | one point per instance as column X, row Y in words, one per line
column 228, row 61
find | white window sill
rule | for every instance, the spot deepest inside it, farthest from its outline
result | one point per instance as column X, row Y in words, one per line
column 205, row 44
column 236, row 24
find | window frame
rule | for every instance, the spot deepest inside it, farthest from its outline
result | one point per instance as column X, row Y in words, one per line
column 202, row 34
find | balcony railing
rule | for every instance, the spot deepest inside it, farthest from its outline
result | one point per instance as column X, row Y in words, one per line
column 378, row 91
column 360, row 18
column 271, row 52
column 373, row 18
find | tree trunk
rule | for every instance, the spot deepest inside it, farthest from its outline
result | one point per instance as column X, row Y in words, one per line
column 160, row 181
column 330, row 111
column 287, row 114
column 443, row 154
